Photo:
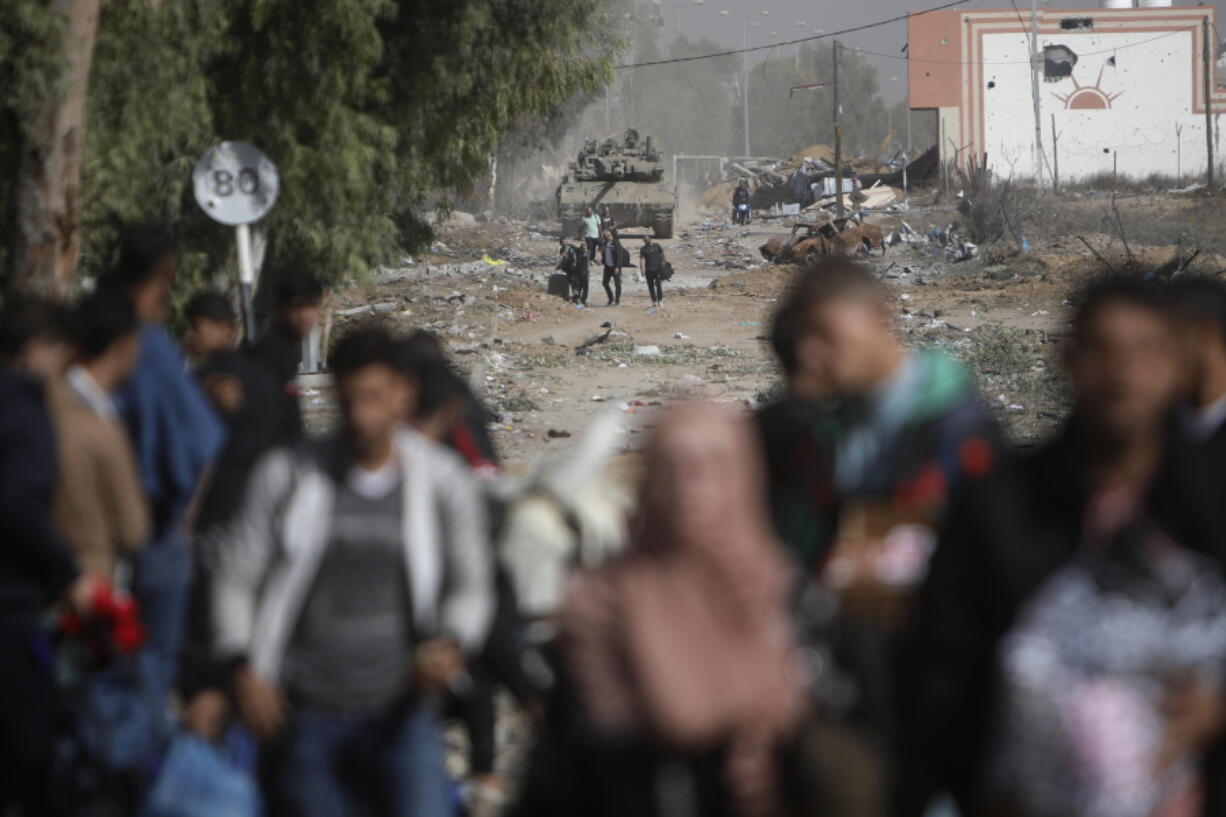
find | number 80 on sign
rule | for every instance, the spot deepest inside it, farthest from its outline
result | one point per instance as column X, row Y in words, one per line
column 235, row 183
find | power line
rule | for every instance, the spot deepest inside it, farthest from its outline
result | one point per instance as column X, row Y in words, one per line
column 811, row 38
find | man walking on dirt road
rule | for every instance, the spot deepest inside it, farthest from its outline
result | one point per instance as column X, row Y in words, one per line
column 651, row 260
column 611, row 255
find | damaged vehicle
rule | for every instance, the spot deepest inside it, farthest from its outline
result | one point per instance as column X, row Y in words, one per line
column 811, row 241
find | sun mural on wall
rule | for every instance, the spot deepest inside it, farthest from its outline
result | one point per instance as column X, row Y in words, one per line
column 1088, row 97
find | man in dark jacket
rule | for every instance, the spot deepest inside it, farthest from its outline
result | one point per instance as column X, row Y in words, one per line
column 244, row 396
column 611, row 255
column 1008, row 532
column 297, row 298
column 1201, row 420
column 651, row 261
column 36, row 567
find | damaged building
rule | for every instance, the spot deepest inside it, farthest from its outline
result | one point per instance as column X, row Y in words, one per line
column 1116, row 84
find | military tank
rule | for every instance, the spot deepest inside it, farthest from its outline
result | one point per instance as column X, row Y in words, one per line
column 629, row 177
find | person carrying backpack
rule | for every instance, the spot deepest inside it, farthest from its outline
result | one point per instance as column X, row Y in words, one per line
column 651, row 264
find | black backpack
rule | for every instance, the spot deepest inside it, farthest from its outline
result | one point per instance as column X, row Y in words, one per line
column 623, row 256
column 666, row 271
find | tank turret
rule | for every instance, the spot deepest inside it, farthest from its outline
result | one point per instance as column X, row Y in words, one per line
column 628, row 176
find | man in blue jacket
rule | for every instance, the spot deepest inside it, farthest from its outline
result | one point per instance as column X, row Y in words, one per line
column 176, row 436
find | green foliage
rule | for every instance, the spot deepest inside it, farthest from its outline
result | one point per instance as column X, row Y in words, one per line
column 369, row 108
column 149, row 120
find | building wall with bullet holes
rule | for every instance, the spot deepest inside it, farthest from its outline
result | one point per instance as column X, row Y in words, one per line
column 1116, row 85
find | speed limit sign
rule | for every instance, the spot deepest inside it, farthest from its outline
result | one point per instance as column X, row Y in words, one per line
column 235, row 183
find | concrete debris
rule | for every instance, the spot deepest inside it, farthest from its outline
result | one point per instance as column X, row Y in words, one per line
column 961, row 251
column 368, row 309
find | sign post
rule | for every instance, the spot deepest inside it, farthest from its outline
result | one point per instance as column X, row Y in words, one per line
column 236, row 185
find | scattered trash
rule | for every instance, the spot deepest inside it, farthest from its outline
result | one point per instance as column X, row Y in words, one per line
column 646, row 351
column 1025, row 244
column 596, row 398
column 680, row 336
column 493, row 262
column 527, row 317
column 962, row 251
column 751, row 323
column 606, row 325
column 557, row 434
column 548, row 340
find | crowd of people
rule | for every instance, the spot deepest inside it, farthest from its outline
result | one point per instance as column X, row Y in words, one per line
column 858, row 600
column 602, row 243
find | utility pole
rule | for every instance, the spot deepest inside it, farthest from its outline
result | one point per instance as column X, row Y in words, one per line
column 1208, row 103
column 838, row 138
column 1034, row 88
column 745, row 79
column 1055, row 157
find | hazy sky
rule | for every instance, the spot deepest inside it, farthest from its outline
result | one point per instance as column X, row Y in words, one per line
column 784, row 16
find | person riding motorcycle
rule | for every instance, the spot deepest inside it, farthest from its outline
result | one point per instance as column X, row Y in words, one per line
column 740, row 204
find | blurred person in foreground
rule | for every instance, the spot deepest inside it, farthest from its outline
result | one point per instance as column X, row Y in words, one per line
column 100, row 506
column 297, row 298
column 37, row 568
column 175, row 434
column 1200, row 419
column 677, row 692
column 865, row 451
column 863, row 419
column 101, row 510
column 245, row 397
column 446, row 409
column 1070, row 643
column 352, row 584
column 445, row 413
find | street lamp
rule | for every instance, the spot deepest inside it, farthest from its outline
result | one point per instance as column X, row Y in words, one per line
column 745, row 26
column 677, row 9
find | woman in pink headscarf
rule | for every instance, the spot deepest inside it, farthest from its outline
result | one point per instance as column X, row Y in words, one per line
column 678, row 655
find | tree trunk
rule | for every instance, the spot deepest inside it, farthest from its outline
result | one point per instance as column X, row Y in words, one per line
column 45, row 219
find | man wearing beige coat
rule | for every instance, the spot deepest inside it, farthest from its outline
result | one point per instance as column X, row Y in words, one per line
column 99, row 506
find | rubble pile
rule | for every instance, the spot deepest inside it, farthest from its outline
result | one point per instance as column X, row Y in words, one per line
column 807, row 179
